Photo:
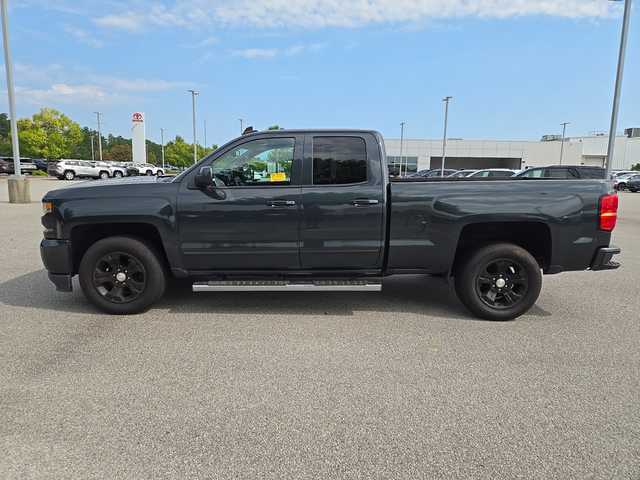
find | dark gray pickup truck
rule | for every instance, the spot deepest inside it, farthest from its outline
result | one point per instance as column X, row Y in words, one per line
column 305, row 210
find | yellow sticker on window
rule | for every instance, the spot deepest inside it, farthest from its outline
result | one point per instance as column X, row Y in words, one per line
column 278, row 177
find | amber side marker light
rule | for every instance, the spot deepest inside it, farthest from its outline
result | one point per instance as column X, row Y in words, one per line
column 608, row 212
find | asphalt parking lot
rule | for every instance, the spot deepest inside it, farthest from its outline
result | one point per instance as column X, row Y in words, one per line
column 403, row 383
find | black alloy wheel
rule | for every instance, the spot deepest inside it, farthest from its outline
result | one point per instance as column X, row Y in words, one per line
column 122, row 275
column 499, row 281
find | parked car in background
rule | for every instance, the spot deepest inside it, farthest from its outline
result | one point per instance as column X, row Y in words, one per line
column 433, row 172
column 118, row 170
column 620, row 181
column 633, row 183
column 148, row 169
column 7, row 166
column 563, row 171
column 493, row 173
column 70, row 169
column 462, row 173
column 617, row 173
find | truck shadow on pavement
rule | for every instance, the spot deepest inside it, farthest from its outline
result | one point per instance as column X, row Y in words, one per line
column 408, row 294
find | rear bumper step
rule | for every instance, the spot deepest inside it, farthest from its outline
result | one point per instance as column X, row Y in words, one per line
column 287, row 285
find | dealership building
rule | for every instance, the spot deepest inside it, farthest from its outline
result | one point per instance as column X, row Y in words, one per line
column 517, row 155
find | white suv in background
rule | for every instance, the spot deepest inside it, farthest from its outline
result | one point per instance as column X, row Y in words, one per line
column 70, row 169
column 148, row 169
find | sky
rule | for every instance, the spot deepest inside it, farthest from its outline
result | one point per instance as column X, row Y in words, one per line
column 516, row 69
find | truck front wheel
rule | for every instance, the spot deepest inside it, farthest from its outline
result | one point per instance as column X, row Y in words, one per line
column 499, row 281
column 122, row 275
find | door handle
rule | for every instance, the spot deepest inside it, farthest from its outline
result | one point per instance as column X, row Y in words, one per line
column 363, row 201
column 280, row 203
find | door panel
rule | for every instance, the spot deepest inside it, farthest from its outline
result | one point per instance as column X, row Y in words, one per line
column 342, row 203
column 250, row 219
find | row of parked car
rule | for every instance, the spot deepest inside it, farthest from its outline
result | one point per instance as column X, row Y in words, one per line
column 67, row 169
column 70, row 169
column 552, row 171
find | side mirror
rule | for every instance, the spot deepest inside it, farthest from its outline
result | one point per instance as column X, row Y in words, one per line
column 204, row 178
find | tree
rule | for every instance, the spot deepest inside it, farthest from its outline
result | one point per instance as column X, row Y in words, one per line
column 119, row 153
column 49, row 134
column 178, row 153
column 6, row 149
column 275, row 127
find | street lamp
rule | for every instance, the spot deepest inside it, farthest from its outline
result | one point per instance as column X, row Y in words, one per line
column 162, row 146
column 99, row 135
column 616, row 94
column 564, row 125
column 193, row 99
column 444, row 141
column 401, row 139
column 241, row 120
column 92, row 151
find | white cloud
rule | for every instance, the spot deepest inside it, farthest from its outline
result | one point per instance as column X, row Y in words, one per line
column 255, row 52
column 83, row 36
column 294, row 50
column 58, row 85
column 67, row 94
column 272, row 14
column 129, row 22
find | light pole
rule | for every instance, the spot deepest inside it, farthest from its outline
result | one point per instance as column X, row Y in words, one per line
column 205, row 133
column 401, row 140
column 18, row 184
column 92, row 152
column 99, row 135
column 444, row 141
column 616, row 94
column 241, row 120
column 162, row 146
column 564, row 126
column 195, row 151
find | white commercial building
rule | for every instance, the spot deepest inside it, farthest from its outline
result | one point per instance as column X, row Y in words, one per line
column 587, row 150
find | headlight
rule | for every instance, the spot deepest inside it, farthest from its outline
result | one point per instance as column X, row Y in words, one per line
column 46, row 207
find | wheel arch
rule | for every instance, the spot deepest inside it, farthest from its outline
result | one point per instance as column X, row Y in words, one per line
column 83, row 236
column 534, row 237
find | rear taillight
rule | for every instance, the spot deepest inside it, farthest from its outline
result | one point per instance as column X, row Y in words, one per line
column 608, row 212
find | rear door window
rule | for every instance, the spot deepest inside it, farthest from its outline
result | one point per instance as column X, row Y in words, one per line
column 339, row 160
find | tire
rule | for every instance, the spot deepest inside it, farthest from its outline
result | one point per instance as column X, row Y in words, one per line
column 133, row 173
column 60, row 177
column 622, row 186
column 499, row 281
column 104, row 175
column 117, row 174
column 160, row 173
column 149, row 173
column 69, row 175
column 141, row 281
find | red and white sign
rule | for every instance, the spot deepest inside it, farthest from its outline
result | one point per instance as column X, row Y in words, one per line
column 137, row 117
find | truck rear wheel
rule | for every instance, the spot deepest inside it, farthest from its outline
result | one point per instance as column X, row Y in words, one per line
column 499, row 281
column 122, row 275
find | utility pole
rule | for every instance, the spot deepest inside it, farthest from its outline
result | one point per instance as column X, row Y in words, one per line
column 162, row 143
column 99, row 135
column 195, row 150
column 92, row 154
column 401, row 139
column 444, row 141
column 564, row 126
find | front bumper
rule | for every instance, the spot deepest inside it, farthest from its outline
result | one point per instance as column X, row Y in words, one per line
column 56, row 257
column 602, row 258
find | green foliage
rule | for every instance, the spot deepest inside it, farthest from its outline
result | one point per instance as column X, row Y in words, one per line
column 5, row 125
column 49, row 134
column 119, row 153
column 179, row 153
column 636, row 166
column 39, row 173
column 275, row 127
